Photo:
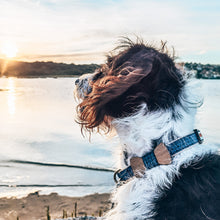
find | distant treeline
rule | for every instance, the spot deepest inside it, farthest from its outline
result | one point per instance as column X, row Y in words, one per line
column 51, row 69
column 43, row 69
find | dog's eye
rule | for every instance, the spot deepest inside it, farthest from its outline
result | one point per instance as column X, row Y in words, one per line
column 124, row 72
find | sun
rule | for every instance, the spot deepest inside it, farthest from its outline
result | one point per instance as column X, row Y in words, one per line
column 9, row 49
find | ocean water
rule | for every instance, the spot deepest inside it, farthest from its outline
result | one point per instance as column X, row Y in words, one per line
column 41, row 145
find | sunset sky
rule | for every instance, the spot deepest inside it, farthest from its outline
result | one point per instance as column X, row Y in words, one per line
column 82, row 31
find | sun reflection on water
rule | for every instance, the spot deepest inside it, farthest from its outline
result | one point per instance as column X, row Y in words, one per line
column 11, row 96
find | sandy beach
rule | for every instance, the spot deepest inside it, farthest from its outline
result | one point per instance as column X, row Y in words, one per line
column 34, row 206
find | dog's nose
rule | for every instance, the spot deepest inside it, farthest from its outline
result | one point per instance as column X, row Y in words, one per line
column 77, row 81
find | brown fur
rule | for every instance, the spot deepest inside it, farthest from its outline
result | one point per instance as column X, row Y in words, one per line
column 137, row 74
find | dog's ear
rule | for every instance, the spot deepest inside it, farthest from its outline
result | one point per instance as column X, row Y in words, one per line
column 107, row 99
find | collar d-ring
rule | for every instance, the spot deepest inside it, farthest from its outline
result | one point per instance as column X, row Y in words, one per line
column 115, row 175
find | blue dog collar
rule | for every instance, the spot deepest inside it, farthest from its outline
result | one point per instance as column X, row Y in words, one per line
column 161, row 155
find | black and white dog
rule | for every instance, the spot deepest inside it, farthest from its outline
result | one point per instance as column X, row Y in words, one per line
column 166, row 173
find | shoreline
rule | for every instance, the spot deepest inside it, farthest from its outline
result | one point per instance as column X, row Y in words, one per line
column 75, row 75
column 34, row 206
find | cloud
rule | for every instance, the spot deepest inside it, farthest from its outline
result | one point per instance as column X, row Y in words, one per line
column 201, row 52
column 83, row 26
column 79, row 58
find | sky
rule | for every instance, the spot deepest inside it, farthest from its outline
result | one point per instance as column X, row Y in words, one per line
column 84, row 31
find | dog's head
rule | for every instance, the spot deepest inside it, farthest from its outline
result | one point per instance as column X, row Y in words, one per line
column 138, row 74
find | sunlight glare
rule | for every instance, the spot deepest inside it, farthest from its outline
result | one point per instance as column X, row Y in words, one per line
column 11, row 96
column 9, row 49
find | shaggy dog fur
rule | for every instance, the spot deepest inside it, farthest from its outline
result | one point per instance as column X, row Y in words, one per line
column 142, row 95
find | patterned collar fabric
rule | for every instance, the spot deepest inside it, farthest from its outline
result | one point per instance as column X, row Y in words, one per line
column 150, row 160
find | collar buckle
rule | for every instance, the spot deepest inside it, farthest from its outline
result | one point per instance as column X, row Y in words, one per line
column 199, row 136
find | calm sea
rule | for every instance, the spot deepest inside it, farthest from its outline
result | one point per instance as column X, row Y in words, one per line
column 40, row 143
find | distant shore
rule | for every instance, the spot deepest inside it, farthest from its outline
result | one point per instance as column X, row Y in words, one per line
column 41, row 69
column 35, row 206
column 70, row 76
column 75, row 76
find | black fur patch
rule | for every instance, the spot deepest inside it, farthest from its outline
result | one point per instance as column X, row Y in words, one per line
column 195, row 195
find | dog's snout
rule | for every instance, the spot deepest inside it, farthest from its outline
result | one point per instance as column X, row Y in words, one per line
column 77, row 82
